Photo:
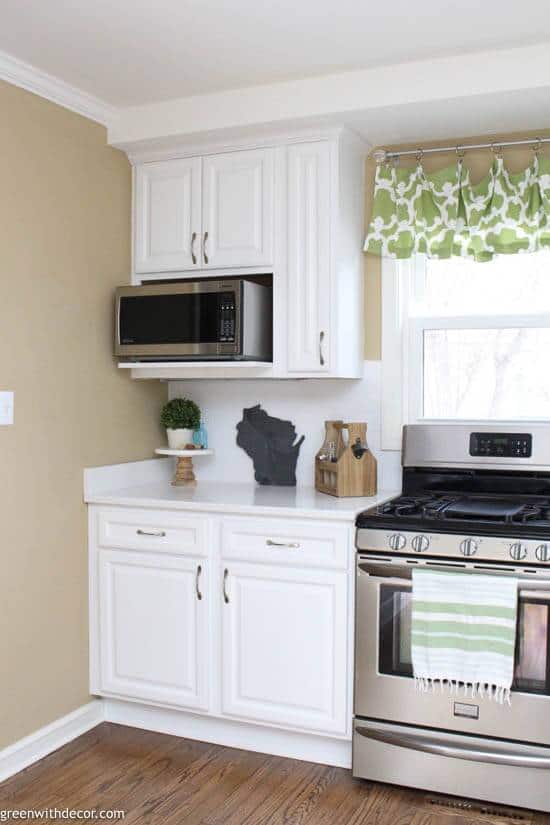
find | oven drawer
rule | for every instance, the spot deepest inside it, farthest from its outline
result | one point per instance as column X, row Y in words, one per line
column 496, row 771
column 161, row 530
column 285, row 541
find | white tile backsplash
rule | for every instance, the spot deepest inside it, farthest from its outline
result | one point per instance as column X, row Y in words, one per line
column 307, row 403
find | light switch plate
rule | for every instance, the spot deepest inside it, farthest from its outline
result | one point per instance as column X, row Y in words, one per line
column 6, row 408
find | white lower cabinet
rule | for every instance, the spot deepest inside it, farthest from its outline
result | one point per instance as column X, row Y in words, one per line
column 154, row 631
column 237, row 617
column 284, row 646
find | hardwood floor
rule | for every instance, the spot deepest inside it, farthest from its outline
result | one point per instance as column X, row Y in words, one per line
column 163, row 780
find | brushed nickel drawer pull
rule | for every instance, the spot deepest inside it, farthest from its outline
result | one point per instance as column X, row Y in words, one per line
column 204, row 247
column 197, row 579
column 225, row 577
column 193, row 239
column 294, row 545
column 158, row 535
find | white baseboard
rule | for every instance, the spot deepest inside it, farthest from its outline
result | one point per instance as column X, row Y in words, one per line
column 49, row 738
column 309, row 748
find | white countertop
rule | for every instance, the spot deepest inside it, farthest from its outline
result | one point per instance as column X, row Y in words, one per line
column 216, row 497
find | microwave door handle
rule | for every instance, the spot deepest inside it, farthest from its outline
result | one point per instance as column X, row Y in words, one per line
column 443, row 747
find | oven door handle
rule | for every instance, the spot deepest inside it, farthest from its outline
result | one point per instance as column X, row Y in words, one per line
column 391, row 573
column 442, row 747
column 525, row 592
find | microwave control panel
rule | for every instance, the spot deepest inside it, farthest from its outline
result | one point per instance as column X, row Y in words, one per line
column 227, row 317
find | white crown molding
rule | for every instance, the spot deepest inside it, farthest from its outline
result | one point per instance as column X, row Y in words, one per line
column 48, row 739
column 52, row 88
column 225, row 140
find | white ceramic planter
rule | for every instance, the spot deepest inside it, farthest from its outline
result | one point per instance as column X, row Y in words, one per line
column 178, row 439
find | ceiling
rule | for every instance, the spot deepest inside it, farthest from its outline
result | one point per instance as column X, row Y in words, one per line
column 132, row 52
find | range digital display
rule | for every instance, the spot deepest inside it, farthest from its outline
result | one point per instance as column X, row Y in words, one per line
column 501, row 445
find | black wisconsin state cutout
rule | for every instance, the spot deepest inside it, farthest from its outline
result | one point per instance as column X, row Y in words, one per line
column 270, row 444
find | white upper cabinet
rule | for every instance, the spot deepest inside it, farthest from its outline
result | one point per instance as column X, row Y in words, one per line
column 167, row 215
column 198, row 213
column 237, row 209
column 309, row 262
column 294, row 210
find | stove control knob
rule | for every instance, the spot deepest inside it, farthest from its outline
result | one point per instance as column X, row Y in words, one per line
column 518, row 551
column 420, row 543
column 468, row 547
column 397, row 541
column 543, row 552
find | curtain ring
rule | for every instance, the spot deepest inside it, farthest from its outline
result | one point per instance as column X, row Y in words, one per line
column 537, row 146
column 419, row 155
column 496, row 149
column 460, row 152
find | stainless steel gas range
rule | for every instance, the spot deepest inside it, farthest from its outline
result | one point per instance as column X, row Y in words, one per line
column 477, row 500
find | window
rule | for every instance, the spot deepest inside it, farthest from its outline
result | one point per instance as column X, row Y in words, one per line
column 474, row 339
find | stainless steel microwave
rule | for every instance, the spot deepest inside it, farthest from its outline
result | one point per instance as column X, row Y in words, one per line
column 208, row 320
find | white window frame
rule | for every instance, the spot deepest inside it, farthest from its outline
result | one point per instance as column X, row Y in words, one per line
column 402, row 343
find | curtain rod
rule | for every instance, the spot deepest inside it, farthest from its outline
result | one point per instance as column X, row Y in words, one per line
column 382, row 155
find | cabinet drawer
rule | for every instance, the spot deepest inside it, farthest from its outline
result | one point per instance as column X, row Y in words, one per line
column 152, row 530
column 278, row 541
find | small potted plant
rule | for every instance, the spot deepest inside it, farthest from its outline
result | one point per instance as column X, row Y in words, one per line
column 180, row 416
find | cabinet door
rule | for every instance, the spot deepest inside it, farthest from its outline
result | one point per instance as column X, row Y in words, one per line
column 167, row 215
column 237, row 213
column 153, row 627
column 284, row 646
column 309, row 257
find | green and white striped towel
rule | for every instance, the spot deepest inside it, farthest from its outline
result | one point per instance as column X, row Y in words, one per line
column 464, row 631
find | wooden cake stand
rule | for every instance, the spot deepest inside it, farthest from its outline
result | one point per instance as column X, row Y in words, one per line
column 184, row 476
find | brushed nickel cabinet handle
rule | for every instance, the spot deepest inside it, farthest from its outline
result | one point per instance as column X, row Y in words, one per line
column 197, row 579
column 321, row 355
column 204, row 248
column 225, row 577
column 159, row 534
column 292, row 544
column 193, row 239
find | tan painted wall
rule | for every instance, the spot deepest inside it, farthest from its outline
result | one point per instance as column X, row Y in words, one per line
column 479, row 162
column 64, row 245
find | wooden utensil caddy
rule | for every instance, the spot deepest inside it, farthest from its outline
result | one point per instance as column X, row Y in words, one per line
column 348, row 475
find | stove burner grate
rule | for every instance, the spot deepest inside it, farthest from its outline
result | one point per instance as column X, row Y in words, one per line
column 464, row 508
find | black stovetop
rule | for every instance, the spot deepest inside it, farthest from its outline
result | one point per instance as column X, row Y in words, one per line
column 467, row 501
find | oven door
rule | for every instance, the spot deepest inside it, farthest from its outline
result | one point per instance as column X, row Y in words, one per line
column 192, row 319
column 384, row 685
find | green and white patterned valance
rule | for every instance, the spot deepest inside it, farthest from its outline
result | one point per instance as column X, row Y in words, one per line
column 443, row 214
